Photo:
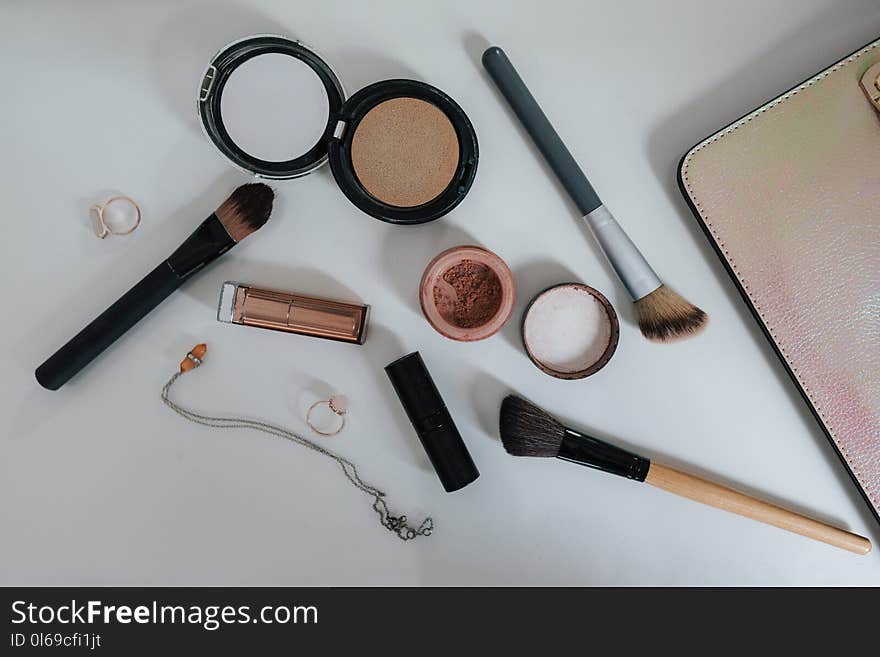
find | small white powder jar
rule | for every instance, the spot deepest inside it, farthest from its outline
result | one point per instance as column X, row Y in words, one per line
column 570, row 331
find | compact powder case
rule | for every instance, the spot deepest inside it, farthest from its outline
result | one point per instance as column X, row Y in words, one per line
column 401, row 150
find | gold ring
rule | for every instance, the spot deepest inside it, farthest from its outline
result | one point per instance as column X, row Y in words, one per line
column 338, row 404
column 101, row 227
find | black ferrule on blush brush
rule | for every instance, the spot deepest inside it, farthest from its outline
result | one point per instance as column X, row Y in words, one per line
column 431, row 419
column 594, row 453
column 206, row 243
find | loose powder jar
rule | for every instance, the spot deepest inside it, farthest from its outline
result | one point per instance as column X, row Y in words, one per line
column 570, row 331
column 467, row 293
column 400, row 150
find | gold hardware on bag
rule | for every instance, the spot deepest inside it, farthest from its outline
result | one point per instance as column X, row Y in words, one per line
column 870, row 84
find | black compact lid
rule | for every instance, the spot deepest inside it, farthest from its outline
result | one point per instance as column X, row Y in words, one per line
column 335, row 143
column 434, row 425
column 211, row 93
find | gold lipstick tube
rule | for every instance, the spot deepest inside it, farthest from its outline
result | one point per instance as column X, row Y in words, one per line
column 292, row 313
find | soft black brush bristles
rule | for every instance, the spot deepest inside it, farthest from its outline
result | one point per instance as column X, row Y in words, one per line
column 527, row 430
column 246, row 210
column 664, row 316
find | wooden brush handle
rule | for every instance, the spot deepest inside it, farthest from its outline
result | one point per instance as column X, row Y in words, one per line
column 721, row 497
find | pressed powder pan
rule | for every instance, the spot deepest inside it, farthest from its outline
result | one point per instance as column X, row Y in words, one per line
column 404, row 152
column 400, row 150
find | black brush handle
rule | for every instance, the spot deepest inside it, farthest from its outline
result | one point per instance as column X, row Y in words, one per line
column 580, row 448
column 88, row 344
column 540, row 129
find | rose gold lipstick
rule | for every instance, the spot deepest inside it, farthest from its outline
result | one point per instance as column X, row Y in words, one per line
column 292, row 313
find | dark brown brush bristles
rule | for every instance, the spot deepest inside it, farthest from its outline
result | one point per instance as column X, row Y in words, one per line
column 527, row 430
column 246, row 210
column 664, row 316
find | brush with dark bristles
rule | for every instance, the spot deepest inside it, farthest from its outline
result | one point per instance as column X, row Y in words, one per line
column 527, row 430
column 245, row 211
column 662, row 314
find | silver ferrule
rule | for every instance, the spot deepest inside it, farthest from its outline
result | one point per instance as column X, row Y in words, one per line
column 227, row 301
column 633, row 270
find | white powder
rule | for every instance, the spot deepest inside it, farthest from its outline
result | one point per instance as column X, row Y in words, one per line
column 567, row 329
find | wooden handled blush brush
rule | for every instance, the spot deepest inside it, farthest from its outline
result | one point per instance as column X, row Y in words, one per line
column 527, row 430
column 662, row 314
column 245, row 211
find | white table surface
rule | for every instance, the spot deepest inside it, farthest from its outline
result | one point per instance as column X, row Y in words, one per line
column 102, row 484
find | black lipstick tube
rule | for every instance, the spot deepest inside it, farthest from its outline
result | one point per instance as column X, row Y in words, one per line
column 432, row 421
column 207, row 243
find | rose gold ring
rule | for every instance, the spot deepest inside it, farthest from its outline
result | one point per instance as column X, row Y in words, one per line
column 338, row 404
column 102, row 229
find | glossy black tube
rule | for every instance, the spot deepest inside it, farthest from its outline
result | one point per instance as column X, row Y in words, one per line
column 594, row 453
column 208, row 242
column 432, row 421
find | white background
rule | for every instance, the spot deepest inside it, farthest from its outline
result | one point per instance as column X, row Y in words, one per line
column 102, row 484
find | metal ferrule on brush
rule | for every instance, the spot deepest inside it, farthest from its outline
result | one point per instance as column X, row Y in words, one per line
column 207, row 243
column 630, row 265
column 594, row 453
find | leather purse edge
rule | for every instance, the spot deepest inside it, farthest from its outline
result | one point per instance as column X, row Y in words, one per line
column 682, row 186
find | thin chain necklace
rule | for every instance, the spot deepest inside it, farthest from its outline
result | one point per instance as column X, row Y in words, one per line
column 396, row 524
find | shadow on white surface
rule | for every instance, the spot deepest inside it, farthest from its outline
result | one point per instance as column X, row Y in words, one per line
column 187, row 42
column 384, row 348
column 486, row 393
column 307, row 389
column 407, row 250
column 359, row 67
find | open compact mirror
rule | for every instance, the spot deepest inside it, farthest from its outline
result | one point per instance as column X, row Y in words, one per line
column 400, row 150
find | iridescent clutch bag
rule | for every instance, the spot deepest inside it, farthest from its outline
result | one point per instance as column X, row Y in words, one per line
column 789, row 195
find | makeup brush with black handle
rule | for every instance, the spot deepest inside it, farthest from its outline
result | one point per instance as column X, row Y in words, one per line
column 662, row 314
column 527, row 430
column 246, row 210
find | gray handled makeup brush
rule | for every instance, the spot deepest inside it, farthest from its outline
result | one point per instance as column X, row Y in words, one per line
column 527, row 430
column 662, row 314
